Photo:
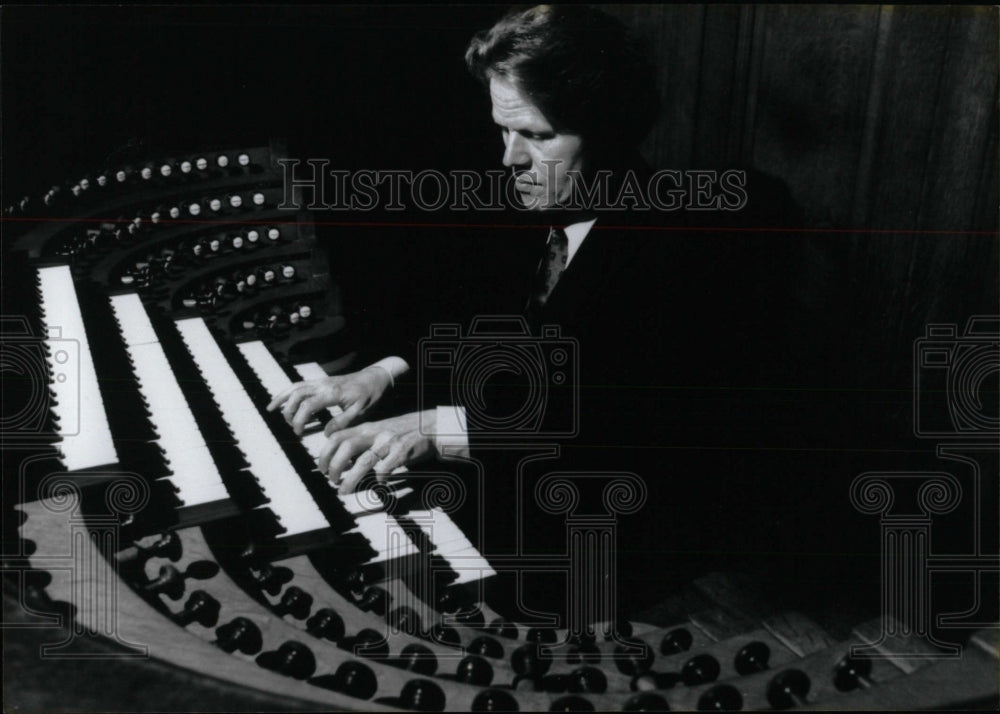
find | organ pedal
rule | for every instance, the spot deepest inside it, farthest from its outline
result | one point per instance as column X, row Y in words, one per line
column 314, row 660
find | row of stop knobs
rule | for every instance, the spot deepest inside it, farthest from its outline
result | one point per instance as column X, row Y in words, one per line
column 198, row 168
column 242, row 283
column 530, row 662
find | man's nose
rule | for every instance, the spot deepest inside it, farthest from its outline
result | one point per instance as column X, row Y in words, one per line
column 515, row 151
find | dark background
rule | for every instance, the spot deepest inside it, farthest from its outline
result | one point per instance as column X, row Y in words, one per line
column 881, row 121
column 379, row 87
column 877, row 118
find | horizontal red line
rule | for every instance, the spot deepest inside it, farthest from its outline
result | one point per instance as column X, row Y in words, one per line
column 538, row 226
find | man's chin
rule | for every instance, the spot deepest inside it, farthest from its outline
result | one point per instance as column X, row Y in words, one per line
column 538, row 203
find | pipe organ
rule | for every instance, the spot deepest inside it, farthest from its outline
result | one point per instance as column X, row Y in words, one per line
column 163, row 508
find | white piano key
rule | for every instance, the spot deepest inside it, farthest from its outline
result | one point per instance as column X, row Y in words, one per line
column 368, row 502
column 134, row 323
column 85, row 434
column 272, row 377
column 365, row 507
column 314, row 443
column 194, row 474
column 288, row 497
column 310, row 370
column 437, row 526
column 452, row 545
column 385, row 535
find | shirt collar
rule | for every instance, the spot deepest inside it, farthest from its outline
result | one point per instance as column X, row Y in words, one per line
column 575, row 233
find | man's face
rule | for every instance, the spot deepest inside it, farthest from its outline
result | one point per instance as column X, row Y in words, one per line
column 540, row 157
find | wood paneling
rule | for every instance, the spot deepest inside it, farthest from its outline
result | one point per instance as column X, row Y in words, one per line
column 882, row 122
column 874, row 116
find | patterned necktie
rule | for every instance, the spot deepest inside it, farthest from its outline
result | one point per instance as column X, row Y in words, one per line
column 550, row 268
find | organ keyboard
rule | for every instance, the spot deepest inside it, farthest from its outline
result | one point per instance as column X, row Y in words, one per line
column 193, row 472
column 175, row 299
column 84, row 435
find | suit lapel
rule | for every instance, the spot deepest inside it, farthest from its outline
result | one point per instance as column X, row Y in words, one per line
column 595, row 269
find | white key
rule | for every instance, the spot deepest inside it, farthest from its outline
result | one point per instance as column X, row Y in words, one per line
column 273, row 378
column 194, row 473
column 452, row 545
column 86, row 440
column 469, row 565
column 313, row 370
column 133, row 321
column 438, row 526
column 288, row 497
column 367, row 502
column 386, row 537
column 364, row 506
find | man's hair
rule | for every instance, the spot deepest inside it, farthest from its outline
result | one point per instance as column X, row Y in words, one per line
column 582, row 68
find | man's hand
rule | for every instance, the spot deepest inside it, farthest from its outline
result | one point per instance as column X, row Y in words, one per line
column 355, row 393
column 379, row 446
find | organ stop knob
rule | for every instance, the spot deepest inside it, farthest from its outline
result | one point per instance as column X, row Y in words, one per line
column 646, row 702
column 326, row 623
column 634, row 657
column 170, row 581
column 239, row 634
column 752, row 658
column 571, row 704
column 292, row 658
column 295, row 602
column 419, row 659
column 852, row 673
column 678, row 640
column 487, row 647
column 494, row 700
column 722, row 697
column 474, row 670
column 788, row 689
column 201, row 608
column 351, row 678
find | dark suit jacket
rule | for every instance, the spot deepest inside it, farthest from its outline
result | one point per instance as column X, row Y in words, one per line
column 686, row 367
column 680, row 340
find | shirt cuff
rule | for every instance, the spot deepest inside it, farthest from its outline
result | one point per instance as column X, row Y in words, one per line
column 395, row 366
column 451, row 436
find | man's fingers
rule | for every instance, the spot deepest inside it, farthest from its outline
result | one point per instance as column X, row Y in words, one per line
column 305, row 412
column 402, row 450
column 280, row 398
column 343, row 456
column 381, row 442
column 352, row 476
column 349, row 414
column 328, row 450
column 393, row 458
column 291, row 405
column 343, row 419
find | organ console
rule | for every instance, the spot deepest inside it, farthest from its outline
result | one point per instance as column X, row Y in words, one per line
column 177, row 518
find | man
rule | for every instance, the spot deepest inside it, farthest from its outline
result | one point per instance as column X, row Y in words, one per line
column 572, row 96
